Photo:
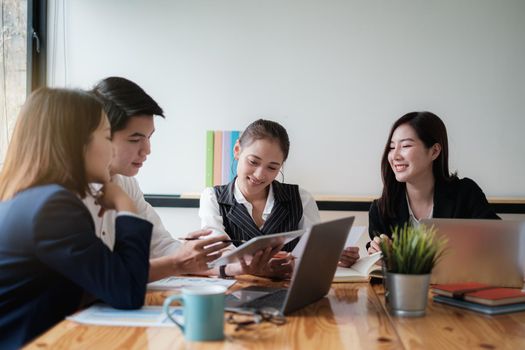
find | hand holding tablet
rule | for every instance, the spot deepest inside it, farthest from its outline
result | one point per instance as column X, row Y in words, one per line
column 248, row 249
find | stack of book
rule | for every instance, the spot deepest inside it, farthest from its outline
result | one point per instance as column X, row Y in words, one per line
column 480, row 297
column 221, row 166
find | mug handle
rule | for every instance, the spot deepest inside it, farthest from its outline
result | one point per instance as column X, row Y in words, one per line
column 166, row 308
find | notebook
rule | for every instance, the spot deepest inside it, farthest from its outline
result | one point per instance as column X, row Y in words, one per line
column 496, row 296
column 458, row 290
column 361, row 271
column 485, row 309
column 481, row 293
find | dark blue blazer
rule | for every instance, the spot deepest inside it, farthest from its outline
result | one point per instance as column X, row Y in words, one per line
column 457, row 199
column 50, row 256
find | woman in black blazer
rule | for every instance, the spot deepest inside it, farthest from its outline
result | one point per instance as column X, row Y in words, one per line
column 50, row 256
column 417, row 183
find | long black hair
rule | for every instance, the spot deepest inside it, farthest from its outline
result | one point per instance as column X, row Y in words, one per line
column 431, row 130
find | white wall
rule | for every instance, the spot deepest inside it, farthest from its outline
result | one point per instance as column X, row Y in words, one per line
column 335, row 73
column 180, row 221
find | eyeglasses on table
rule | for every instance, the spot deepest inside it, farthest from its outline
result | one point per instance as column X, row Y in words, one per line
column 265, row 314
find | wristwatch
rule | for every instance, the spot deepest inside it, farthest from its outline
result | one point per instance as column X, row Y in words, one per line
column 222, row 272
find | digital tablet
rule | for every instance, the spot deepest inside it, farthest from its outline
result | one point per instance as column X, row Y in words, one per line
column 249, row 248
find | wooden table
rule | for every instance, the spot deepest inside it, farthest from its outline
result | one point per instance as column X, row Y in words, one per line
column 352, row 316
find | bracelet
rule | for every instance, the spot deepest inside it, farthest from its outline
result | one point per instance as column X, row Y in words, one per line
column 222, row 272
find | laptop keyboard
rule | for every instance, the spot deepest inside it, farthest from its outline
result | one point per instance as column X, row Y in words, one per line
column 275, row 300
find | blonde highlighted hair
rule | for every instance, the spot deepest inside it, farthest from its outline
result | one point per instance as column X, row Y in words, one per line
column 49, row 142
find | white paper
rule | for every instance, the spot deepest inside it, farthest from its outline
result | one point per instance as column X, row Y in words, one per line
column 365, row 264
column 147, row 316
column 358, row 237
column 358, row 271
column 183, row 282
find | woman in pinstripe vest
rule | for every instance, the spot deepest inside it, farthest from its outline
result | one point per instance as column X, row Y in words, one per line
column 255, row 204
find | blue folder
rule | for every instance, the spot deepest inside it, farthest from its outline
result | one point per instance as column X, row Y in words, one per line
column 485, row 309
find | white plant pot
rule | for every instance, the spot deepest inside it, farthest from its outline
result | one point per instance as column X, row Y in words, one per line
column 407, row 295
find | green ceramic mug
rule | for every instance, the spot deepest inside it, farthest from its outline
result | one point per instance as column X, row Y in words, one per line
column 203, row 312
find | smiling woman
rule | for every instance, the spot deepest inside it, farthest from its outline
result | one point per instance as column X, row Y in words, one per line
column 417, row 183
column 254, row 203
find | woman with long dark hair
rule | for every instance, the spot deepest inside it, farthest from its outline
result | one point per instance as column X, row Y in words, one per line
column 417, row 182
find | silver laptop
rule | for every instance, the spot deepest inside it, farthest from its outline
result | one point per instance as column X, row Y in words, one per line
column 484, row 251
column 311, row 279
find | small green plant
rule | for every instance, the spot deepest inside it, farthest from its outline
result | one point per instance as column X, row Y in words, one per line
column 413, row 250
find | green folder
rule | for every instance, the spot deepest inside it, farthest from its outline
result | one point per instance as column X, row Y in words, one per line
column 209, row 158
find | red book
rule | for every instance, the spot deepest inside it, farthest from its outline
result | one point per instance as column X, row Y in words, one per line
column 480, row 293
column 496, row 296
column 458, row 290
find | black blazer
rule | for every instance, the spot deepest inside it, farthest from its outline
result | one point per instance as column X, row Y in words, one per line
column 50, row 256
column 460, row 198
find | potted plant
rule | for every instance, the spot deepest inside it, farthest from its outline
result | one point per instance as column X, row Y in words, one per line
column 408, row 261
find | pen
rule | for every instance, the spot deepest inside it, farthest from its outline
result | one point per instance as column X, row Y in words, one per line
column 224, row 241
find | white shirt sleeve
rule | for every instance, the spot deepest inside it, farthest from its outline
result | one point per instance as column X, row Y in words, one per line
column 162, row 243
column 209, row 212
column 310, row 211
column 105, row 224
column 211, row 217
column 310, row 217
column 128, row 213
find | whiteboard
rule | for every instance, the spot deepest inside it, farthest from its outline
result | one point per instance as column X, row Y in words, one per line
column 336, row 74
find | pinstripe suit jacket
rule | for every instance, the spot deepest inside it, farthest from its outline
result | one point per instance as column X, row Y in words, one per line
column 285, row 216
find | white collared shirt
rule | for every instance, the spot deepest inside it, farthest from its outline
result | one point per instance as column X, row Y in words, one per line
column 211, row 217
column 162, row 243
column 270, row 201
column 412, row 220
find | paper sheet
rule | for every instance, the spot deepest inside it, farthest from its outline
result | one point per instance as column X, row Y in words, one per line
column 183, row 282
column 147, row 316
column 359, row 271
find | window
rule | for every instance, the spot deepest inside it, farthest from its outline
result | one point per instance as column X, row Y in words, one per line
column 13, row 67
